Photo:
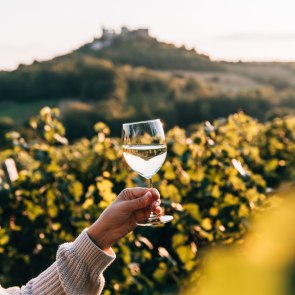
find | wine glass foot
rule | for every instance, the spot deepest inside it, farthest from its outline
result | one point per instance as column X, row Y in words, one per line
column 155, row 220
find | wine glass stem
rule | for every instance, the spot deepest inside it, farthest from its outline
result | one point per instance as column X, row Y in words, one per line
column 149, row 183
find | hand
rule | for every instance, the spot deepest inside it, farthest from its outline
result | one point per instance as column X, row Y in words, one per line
column 131, row 205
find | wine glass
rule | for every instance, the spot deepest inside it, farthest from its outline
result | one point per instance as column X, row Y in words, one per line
column 145, row 150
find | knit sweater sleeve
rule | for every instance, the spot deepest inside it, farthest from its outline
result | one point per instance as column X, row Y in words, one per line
column 78, row 269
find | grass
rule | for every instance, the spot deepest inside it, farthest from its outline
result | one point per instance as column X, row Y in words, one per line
column 21, row 112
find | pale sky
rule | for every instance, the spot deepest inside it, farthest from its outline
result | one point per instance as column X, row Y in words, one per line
column 223, row 29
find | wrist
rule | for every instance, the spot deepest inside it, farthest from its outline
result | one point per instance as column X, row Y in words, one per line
column 100, row 237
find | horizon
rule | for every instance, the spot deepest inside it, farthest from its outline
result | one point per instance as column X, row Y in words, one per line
column 247, row 32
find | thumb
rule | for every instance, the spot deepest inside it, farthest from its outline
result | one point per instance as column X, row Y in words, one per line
column 139, row 203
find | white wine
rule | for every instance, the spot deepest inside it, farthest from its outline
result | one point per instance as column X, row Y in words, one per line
column 146, row 160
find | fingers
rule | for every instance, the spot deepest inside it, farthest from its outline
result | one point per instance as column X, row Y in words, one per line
column 155, row 204
column 158, row 210
column 139, row 203
column 155, row 207
column 141, row 215
column 144, row 214
column 133, row 193
column 156, row 194
column 137, row 192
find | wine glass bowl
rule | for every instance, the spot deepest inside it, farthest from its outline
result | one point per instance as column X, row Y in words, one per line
column 145, row 150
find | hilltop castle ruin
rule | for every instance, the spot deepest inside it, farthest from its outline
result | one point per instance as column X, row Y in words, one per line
column 125, row 33
column 108, row 35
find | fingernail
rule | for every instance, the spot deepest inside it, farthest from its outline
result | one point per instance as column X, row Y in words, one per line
column 155, row 204
column 158, row 210
column 148, row 195
column 156, row 191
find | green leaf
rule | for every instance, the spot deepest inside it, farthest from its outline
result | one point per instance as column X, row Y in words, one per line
column 160, row 273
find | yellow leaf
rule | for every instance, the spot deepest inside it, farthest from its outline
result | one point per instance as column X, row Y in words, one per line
column 56, row 226
column 237, row 183
column 169, row 174
column 252, row 195
column 190, row 265
column 213, row 211
column 99, row 148
column 215, row 191
column 102, row 127
column 214, row 162
column 271, row 165
column 206, row 235
column 105, row 189
column 206, row 224
column 53, row 167
column 179, row 239
column 243, row 211
column 185, row 253
column 76, row 189
column 104, row 185
column 106, row 174
column 230, row 199
column 88, row 203
column 4, row 239
column 110, row 155
column 193, row 209
column 170, row 191
column 197, row 175
column 259, row 180
column 184, row 178
column 33, row 210
column 179, row 148
column 50, row 202
column 146, row 254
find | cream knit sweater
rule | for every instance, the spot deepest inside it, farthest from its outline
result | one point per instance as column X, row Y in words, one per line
column 77, row 271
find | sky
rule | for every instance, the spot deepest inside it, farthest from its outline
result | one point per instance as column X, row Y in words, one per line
column 247, row 30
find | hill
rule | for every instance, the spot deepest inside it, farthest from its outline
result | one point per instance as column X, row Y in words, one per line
column 132, row 76
column 91, row 72
column 138, row 48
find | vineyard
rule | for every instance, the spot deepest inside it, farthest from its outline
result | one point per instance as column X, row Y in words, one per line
column 215, row 176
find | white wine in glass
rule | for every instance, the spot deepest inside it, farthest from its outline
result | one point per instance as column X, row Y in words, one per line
column 145, row 150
